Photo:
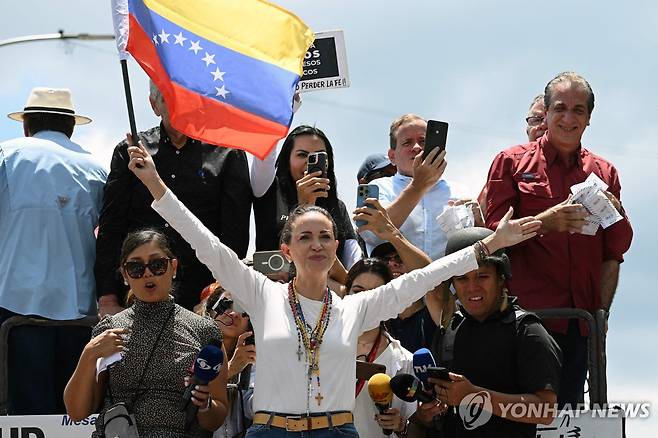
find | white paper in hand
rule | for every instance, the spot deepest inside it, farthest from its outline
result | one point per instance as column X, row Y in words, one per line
column 590, row 194
column 455, row 218
column 103, row 362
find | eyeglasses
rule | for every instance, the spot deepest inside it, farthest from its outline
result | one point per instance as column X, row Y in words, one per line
column 219, row 312
column 392, row 258
column 534, row 120
column 136, row 269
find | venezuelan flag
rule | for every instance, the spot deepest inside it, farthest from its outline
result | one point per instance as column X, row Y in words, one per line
column 227, row 69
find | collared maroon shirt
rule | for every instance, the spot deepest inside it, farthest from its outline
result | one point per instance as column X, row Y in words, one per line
column 556, row 269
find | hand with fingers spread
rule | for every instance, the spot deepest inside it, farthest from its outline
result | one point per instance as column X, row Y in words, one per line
column 377, row 220
column 311, row 187
column 244, row 355
column 106, row 344
column 427, row 172
column 563, row 217
column 512, row 231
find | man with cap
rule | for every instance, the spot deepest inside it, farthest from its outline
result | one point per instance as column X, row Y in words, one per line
column 416, row 194
column 495, row 349
column 375, row 166
column 50, row 198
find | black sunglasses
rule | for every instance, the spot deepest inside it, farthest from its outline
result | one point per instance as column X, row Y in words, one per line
column 157, row 267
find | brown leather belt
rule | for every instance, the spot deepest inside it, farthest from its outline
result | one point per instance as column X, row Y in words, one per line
column 301, row 423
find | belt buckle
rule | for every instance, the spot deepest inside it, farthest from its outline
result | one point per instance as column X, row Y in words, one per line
column 293, row 418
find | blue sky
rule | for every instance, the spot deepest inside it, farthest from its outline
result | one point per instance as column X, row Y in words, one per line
column 474, row 64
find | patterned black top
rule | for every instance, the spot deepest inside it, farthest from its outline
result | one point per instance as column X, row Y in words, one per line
column 157, row 400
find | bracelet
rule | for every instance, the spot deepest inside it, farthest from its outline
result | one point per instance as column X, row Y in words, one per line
column 208, row 405
column 481, row 251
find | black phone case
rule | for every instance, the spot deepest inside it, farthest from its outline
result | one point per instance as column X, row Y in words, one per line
column 436, row 136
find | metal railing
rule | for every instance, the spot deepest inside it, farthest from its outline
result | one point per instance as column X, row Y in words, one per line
column 596, row 355
column 17, row 321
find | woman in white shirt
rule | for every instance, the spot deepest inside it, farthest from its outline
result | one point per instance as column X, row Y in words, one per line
column 306, row 336
column 378, row 346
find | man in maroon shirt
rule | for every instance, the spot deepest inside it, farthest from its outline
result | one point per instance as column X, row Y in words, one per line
column 560, row 267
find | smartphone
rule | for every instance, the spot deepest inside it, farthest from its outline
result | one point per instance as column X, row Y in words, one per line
column 317, row 161
column 363, row 192
column 436, row 136
column 250, row 340
column 365, row 370
column 270, row 262
column 438, row 373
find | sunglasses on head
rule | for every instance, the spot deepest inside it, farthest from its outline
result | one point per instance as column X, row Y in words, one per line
column 136, row 269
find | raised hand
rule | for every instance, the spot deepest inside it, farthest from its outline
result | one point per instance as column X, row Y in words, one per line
column 377, row 220
column 311, row 187
column 142, row 165
column 512, row 231
column 428, row 171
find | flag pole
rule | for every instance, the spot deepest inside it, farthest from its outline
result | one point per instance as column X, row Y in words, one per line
column 129, row 101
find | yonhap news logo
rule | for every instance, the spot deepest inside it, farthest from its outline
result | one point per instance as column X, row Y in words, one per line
column 475, row 410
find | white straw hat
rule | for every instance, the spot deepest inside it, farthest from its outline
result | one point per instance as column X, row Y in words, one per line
column 50, row 100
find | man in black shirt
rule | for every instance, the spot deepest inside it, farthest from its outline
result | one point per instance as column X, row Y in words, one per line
column 213, row 182
column 498, row 355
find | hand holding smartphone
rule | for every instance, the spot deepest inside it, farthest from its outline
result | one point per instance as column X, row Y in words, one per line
column 317, row 161
column 363, row 192
column 440, row 373
column 436, row 136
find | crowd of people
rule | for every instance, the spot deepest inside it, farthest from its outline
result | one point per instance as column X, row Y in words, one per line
column 157, row 247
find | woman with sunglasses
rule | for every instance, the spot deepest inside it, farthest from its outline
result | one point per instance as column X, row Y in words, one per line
column 306, row 335
column 158, row 342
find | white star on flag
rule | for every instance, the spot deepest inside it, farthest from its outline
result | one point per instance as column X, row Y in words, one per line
column 218, row 74
column 155, row 39
column 179, row 39
column 222, row 91
column 208, row 59
column 195, row 47
column 164, row 37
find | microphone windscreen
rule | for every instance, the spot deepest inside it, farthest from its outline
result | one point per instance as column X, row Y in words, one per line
column 422, row 359
column 379, row 388
column 409, row 388
column 208, row 363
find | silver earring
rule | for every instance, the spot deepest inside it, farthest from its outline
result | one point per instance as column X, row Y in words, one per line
column 125, row 282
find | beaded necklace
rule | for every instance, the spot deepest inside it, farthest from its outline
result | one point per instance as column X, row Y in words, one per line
column 310, row 337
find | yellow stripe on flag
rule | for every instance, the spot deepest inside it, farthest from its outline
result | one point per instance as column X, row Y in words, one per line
column 255, row 28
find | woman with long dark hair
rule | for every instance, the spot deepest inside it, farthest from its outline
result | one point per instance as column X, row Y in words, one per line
column 292, row 186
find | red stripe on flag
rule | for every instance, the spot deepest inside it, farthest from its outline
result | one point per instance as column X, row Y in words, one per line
column 200, row 117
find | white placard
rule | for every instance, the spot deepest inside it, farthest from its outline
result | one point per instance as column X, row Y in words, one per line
column 46, row 426
column 325, row 63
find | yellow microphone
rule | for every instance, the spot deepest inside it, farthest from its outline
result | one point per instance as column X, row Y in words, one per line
column 379, row 388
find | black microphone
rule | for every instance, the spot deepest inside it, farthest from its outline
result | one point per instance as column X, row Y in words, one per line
column 206, row 368
column 410, row 389
column 245, row 374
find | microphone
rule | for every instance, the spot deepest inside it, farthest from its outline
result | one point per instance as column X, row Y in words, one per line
column 379, row 388
column 206, row 368
column 422, row 359
column 410, row 389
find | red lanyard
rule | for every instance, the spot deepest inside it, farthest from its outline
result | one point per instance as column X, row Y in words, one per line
column 372, row 355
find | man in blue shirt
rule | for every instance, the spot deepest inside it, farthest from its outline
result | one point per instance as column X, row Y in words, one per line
column 50, row 198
